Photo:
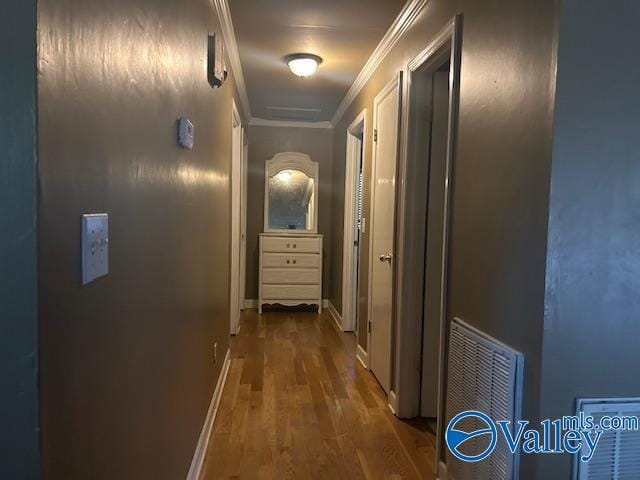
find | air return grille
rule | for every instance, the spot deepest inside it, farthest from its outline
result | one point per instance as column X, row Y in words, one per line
column 483, row 375
column 294, row 114
column 617, row 456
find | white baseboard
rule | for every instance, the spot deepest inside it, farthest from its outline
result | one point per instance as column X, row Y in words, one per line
column 325, row 303
column 335, row 315
column 393, row 402
column 203, row 442
column 442, row 471
column 361, row 355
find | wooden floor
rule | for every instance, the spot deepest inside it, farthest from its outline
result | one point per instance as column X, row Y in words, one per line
column 298, row 404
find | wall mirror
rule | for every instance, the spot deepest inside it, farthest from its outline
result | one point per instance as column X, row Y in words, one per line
column 291, row 194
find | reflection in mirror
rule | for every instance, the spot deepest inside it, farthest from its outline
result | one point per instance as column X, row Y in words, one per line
column 291, row 200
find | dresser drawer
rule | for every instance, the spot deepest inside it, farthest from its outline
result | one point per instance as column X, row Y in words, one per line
column 283, row 260
column 290, row 292
column 290, row 276
column 293, row 245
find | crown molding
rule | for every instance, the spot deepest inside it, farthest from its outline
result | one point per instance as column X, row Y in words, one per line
column 224, row 15
column 262, row 122
column 398, row 28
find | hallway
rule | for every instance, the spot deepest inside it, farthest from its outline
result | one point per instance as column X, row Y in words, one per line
column 298, row 404
column 435, row 203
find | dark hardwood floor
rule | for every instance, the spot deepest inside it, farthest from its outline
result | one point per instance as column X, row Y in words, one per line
column 298, row 404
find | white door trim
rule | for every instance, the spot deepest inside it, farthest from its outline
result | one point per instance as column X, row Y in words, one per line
column 236, row 167
column 353, row 161
column 408, row 350
column 396, row 82
column 243, row 219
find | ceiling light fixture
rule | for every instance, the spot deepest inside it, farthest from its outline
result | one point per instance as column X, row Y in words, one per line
column 303, row 64
column 284, row 175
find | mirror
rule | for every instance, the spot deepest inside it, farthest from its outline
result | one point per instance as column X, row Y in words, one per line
column 290, row 200
column 291, row 193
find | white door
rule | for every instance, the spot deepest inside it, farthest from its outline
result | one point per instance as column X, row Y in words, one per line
column 381, row 260
column 243, row 220
column 357, row 231
column 236, row 166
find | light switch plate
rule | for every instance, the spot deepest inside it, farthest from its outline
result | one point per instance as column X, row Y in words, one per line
column 95, row 246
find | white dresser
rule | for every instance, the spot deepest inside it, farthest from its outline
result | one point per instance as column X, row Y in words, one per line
column 290, row 270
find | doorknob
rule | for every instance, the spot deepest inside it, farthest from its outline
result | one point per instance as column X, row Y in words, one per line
column 386, row 257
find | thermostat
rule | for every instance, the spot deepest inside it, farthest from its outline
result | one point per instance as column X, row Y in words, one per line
column 95, row 246
column 185, row 133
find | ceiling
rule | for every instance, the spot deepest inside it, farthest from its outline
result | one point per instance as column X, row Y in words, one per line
column 343, row 32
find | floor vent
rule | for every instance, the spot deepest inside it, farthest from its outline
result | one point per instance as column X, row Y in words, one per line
column 483, row 375
column 617, row 456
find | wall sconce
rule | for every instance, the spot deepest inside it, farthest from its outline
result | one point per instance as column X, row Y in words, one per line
column 216, row 66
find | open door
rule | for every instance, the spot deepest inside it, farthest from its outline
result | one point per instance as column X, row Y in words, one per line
column 427, row 177
column 435, row 236
column 243, row 219
column 236, row 208
column 352, row 222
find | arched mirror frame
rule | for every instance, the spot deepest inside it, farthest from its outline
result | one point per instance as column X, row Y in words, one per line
column 291, row 161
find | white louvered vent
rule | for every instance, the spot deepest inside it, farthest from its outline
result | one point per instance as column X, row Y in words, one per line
column 617, row 455
column 483, row 375
column 360, row 201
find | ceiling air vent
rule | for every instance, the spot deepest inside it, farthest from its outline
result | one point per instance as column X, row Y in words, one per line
column 617, row 456
column 293, row 114
column 486, row 376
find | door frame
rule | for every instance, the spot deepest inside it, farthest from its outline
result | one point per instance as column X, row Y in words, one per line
column 396, row 82
column 409, row 307
column 354, row 160
column 243, row 218
column 236, row 201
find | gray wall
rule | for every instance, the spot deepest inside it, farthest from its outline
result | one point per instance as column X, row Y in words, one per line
column 264, row 143
column 126, row 362
column 18, row 219
column 593, row 267
column 501, row 171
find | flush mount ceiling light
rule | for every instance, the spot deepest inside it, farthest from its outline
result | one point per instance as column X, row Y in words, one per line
column 303, row 64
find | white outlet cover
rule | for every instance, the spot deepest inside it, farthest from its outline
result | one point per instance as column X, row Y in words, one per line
column 95, row 246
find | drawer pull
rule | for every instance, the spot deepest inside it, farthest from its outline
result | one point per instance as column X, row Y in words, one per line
column 294, row 262
column 288, row 245
column 275, row 260
column 294, row 245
